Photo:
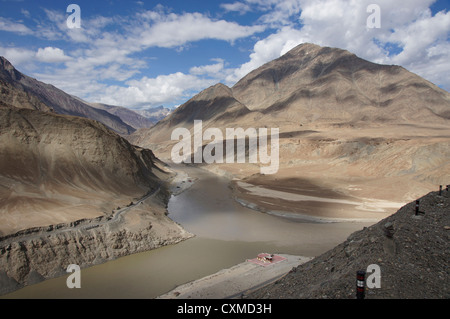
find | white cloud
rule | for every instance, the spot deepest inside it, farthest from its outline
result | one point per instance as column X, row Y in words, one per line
column 25, row 12
column 236, row 6
column 421, row 34
column 279, row 13
column 263, row 5
column 172, row 30
column 106, row 55
column 164, row 89
column 426, row 50
column 213, row 70
column 283, row 13
column 52, row 55
column 17, row 56
column 268, row 49
column 11, row 26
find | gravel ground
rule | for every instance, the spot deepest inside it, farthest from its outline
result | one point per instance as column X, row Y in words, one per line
column 412, row 252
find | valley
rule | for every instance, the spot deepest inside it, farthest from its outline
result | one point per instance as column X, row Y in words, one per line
column 226, row 234
column 355, row 142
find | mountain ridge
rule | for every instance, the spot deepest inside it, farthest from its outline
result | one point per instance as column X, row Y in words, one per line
column 72, row 190
column 342, row 121
column 347, row 79
column 62, row 167
column 128, row 116
column 317, row 86
column 23, row 91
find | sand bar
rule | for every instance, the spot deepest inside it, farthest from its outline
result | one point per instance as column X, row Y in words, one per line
column 301, row 207
column 237, row 280
column 368, row 204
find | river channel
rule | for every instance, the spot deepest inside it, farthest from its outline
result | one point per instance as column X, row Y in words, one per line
column 226, row 234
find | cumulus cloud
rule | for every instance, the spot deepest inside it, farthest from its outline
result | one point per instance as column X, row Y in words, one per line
column 163, row 89
column 17, row 56
column 210, row 69
column 105, row 55
column 270, row 48
column 420, row 35
column 52, row 55
column 172, row 30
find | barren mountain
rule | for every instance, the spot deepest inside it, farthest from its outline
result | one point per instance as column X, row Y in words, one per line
column 213, row 105
column 128, row 116
column 155, row 114
column 23, row 91
column 365, row 130
column 312, row 84
column 73, row 191
column 56, row 168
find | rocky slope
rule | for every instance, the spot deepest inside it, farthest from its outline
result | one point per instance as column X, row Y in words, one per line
column 313, row 84
column 411, row 250
column 74, row 192
column 55, row 168
column 23, row 91
column 215, row 104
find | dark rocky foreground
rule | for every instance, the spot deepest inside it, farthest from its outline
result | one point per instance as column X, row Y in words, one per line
column 411, row 250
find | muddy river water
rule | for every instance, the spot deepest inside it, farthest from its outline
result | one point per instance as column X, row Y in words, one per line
column 226, row 234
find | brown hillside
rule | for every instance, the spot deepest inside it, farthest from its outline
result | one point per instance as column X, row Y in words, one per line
column 22, row 91
column 363, row 129
column 55, row 168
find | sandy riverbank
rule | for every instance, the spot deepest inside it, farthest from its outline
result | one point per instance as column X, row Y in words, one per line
column 237, row 280
column 181, row 180
column 246, row 276
column 317, row 209
column 308, row 199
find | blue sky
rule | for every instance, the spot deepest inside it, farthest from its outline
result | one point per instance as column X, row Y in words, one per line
column 140, row 54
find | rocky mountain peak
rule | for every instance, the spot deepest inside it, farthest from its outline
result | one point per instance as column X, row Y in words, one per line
column 342, row 86
column 22, row 91
column 7, row 70
column 216, row 91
